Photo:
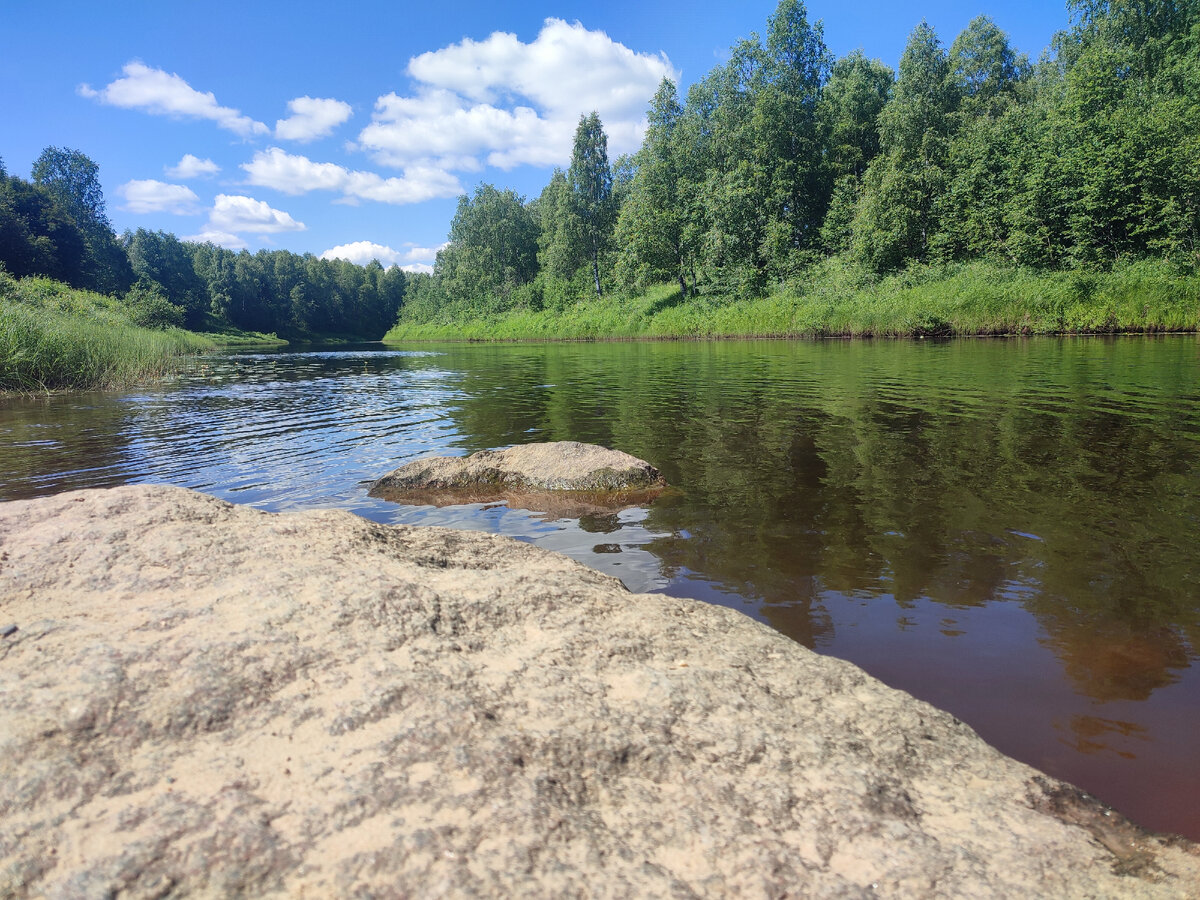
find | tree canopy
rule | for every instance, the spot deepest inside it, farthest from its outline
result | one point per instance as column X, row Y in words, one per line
column 590, row 182
column 776, row 159
column 55, row 225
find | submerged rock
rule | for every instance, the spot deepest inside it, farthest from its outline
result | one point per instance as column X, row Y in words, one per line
column 563, row 477
column 204, row 699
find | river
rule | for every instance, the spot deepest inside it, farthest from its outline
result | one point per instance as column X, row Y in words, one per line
column 1005, row 528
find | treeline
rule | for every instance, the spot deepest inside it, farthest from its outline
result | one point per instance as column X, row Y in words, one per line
column 776, row 162
column 785, row 156
column 56, row 225
column 271, row 290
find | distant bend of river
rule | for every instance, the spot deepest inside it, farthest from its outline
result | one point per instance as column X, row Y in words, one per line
column 1008, row 529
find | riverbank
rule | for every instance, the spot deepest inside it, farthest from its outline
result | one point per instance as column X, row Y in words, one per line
column 234, row 702
column 54, row 337
column 961, row 300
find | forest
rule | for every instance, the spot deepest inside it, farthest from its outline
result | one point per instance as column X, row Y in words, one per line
column 784, row 175
column 56, row 225
column 786, row 168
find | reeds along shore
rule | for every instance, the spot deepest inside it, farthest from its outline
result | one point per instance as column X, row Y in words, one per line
column 54, row 337
column 978, row 298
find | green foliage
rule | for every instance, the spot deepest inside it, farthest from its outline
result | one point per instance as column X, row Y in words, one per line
column 149, row 307
column 37, row 236
column 984, row 69
column 591, row 192
column 493, row 246
column 851, row 102
column 280, row 292
column 753, row 137
column 897, row 216
column 161, row 259
column 840, row 299
column 57, row 227
column 778, row 159
column 655, row 242
column 1088, row 161
column 559, row 247
column 54, row 337
column 837, row 230
column 74, row 181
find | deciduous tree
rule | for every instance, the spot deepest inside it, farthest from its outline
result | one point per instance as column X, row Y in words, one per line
column 591, row 182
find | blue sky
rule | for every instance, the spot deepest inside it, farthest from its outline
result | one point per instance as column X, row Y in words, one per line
column 350, row 129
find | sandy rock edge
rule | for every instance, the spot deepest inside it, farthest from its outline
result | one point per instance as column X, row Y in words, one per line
column 33, row 581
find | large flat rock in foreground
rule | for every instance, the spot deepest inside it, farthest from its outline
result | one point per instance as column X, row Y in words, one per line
column 564, row 477
column 206, row 700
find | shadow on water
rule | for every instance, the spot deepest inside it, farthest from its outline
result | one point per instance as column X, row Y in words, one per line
column 1004, row 528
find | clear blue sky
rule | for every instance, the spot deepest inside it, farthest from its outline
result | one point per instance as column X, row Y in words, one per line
column 314, row 127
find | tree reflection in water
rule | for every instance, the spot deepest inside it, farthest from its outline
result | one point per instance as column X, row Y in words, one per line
column 1003, row 527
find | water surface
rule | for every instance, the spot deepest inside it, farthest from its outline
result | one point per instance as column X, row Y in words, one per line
column 1005, row 528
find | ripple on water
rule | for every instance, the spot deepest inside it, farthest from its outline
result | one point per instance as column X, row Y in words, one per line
column 1005, row 528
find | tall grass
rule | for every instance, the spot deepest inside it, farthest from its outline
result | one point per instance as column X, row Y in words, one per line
column 54, row 337
column 833, row 299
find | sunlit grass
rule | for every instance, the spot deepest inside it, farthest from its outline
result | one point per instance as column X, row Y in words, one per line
column 54, row 337
column 977, row 298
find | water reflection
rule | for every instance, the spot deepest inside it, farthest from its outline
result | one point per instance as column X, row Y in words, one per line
column 1118, row 660
column 1005, row 528
column 1093, row 734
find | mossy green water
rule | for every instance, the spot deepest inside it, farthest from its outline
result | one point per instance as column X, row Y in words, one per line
column 832, row 301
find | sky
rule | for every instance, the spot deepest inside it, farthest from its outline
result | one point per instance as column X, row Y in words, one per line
column 350, row 131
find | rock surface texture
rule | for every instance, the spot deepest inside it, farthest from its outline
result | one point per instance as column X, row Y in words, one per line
column 555, row 477
column 206, row 700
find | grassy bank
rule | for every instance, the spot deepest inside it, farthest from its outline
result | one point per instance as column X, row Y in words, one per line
column 56, row 337
column 226, row 337
column 970, row 299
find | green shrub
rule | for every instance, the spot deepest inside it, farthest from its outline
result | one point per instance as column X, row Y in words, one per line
column 149, row 308
column 53, row 337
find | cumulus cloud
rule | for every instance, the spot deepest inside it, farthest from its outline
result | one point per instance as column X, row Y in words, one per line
column 362, row 252
column 191, row 167
column 220, row 238
column 437, row 126
column 312, row 118
column 233, row 214
column 150, row 196
column 567, row 68
column 411, row 258
column 293, row 174
column 506, row 103
column 163, row 93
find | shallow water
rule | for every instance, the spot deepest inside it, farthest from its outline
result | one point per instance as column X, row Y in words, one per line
column 1005, row 528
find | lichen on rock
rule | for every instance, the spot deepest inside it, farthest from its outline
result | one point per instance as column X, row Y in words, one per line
column 204, row 699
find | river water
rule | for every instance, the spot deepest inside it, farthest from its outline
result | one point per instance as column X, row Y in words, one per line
column 1005, row 528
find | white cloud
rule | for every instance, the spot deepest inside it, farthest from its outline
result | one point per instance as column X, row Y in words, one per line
column 411, row 258
column 292, row 174
column 191, row 167
column 362, row 252
column 566, row 68
column 437, row 126
column 506, row 103
column 220, row 238
column 235, row 213
column 163, row 93
column 312, row 118
column 150, row 196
